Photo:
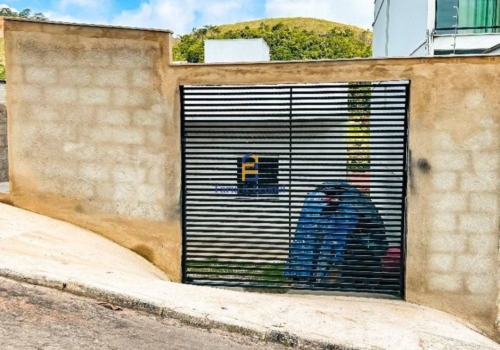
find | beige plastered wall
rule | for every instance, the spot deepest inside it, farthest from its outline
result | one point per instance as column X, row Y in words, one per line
column 92, row 142
column 112, row 164
column 4, row 161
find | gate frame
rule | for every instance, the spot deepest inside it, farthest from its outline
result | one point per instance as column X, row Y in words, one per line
column 406, row 176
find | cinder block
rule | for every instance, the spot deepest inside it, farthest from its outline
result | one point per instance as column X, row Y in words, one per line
column 445, row 282
column 97, row 58
column 60, row 169
column 484, row 140
column 3, row 153
column 3, row 116
column 448, row 202
column 94, row 171
column 78, row 189
column 145, row 78
column 114, row 116
column 129, row 174
column 481, row 284
column 80, row 151
column 146, row 157
column 148, row 211
column 3, row 160
column 112, row 78
column 484, row 202
column 443, row 222
column 40, row 75
column 121, row 135
column 149, row 193
column 50, row 185
column 61, row 94
column 60, row 58
column 157, row 175
column 486, row 161
column 77, row 76
column 473, row 264
column 30, row 55
column 16, row 74
column 443, row 141
column 124, row 192
column 136, row 58
column 32, row 93
column 157, row 138
column 57, row 132
column 444, row 181
column 130, row 136
column 448, row 242
column 4, row 175
column 486, row 181
column 46, row 114
column 126, row 97
column 482, row 244
column 94, row 96
column 114, row 154
column 449, row 161
column 149, row 118
column 441, row 262
column 105, row 191
column 478, row 223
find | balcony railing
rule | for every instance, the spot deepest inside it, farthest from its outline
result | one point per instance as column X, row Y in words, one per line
column 467, row 16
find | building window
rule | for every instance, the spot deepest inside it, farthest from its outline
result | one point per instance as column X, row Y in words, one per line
column 474, row 16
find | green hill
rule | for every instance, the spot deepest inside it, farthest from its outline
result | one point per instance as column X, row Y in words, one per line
column 319, row 26
column 288, row 39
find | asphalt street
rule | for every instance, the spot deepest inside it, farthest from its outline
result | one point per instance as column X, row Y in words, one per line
column 33, row 317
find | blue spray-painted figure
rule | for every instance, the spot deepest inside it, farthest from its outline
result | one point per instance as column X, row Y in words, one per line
column 335, row 215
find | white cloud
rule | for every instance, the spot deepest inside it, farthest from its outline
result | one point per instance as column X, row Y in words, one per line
column 354, row 12
column 5, row 6
column 182, row 15
column 82, row 3
column 55, row 16
column 79, row 11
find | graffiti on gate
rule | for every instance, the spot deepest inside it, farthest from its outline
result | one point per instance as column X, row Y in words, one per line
column 256, row 176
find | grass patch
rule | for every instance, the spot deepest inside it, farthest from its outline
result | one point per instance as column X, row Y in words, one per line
column 263, row 276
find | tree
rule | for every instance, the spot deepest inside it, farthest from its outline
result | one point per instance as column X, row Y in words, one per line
column 285, row 43
column 26, row 13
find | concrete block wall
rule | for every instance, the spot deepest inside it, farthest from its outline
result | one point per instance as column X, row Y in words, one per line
column 94, row 133
column 452, row 253
column 91, row 133
column 464, row 220
column 4, row 162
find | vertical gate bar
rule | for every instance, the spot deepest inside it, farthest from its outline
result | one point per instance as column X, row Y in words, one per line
column 290, row 169
column 405, row 188
column 183, row 186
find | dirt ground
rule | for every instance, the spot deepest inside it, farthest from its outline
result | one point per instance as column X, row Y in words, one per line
column 33, row 317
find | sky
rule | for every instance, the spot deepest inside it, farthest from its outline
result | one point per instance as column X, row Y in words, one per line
column 182, row 16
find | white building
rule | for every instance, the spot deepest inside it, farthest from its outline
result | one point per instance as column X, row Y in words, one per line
column 236, row 50
column 436, row 27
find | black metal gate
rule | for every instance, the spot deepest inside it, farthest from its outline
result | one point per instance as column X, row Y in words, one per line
column 295, row 186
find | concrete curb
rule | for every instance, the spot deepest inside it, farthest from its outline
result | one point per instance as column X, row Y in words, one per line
column 125, row 301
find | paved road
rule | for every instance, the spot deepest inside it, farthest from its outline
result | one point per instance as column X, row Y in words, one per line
column 34, row 317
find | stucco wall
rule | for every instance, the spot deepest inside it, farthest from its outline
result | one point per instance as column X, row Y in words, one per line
column 104, row 153
column 452, row 216
column 91, row 141
column 4, row 165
